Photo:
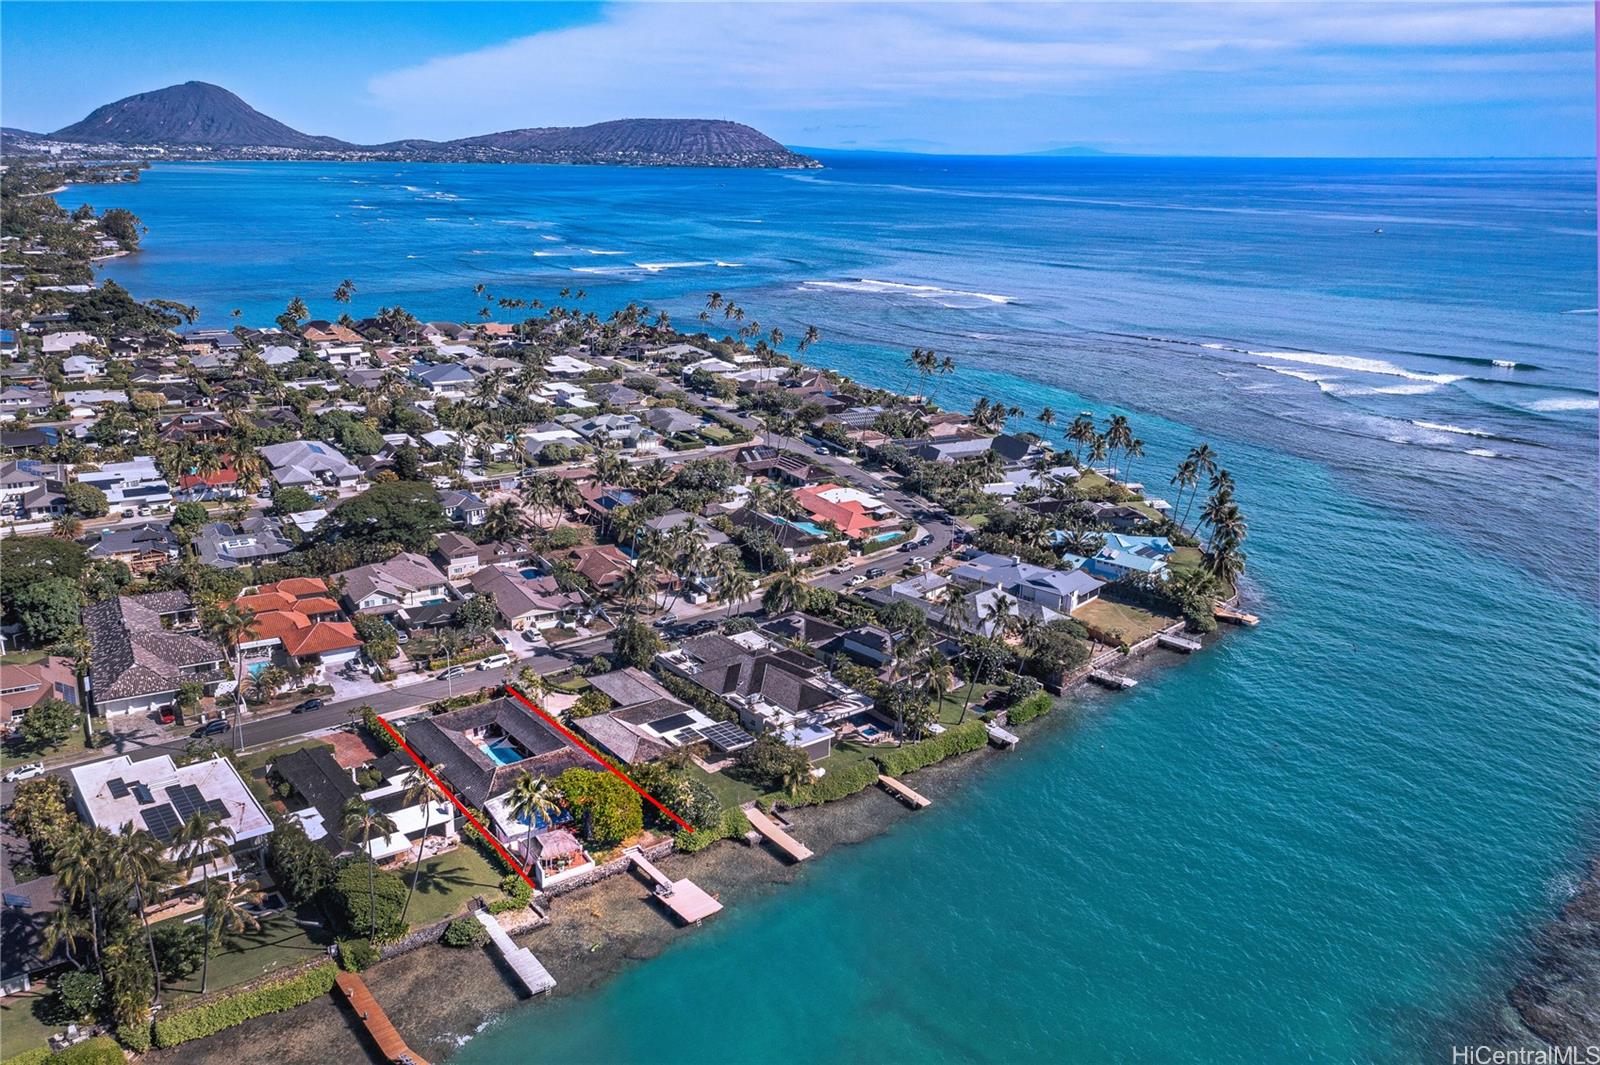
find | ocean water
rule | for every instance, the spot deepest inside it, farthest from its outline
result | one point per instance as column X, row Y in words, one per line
column 1325, row 839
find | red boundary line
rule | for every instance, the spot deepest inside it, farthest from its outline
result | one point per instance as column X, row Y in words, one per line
column 485, row 833
column 592, row 753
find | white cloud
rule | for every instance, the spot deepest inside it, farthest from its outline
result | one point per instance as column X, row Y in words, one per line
column 780, row 65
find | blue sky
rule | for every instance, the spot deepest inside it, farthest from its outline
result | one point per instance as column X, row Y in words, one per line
column 1490, row 78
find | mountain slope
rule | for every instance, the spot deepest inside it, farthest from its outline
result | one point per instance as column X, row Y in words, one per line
column 194, row 113
column 639, row 136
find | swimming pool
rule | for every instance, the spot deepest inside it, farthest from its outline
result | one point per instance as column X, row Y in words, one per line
column 502, row 751
column 806, row 527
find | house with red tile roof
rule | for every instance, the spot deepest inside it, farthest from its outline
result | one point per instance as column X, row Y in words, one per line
column 855, row 513
column 27, row 685
column 202, row 487
column 298, row 623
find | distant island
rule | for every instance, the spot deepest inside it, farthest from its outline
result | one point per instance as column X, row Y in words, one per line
column 197, row 120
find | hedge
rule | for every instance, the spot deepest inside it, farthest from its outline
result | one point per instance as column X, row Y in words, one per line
column 36, row 1056
column 464, row 932
column 233, row 1009
column 101, row 1050
column 734, row 824
column 957, row 739
column 1036, row 705
column 356, row 954
column 837, row 784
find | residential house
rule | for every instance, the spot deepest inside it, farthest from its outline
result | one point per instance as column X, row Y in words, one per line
column 31, row 491
column 567, row 366
column 443, row 380
column 142, row 548
column 255, row 539
column 463, row 508
column 528, row 602
column 623, row 430
column 18, row 402
column 132, row 487
column 61, row 343
column 857, row 514
column 201, row 427
column 616, row 394
column 310, row 464
column 139, row 661
column 1060, row 591
column 210, row 486
column 1124, row 555
column 603, row 564
column 26, row 685
column 161, row 796
column 670, row 421
column 298, row 623
column 82, row 367
column 646, row 721
column 405, row 581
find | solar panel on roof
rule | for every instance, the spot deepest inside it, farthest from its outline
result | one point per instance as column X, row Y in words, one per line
column 186, row 800
column 161, row 821
column 667, row 724
column 725, row 736
column 141, row 792
column 117, row 787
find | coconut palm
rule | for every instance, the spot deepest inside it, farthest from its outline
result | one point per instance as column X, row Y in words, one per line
column 138, row 861
column 231, row 626
column 998, row 616
column 80, row 862
column 533, row 799
column 1187, row 477
column 1081, row 432
column 66, row 927
column 958, row 611
column 734, row 588
column 504, row 520
column 786, row 591
column 230, row 907
column 420, row 790
column 199, row 841
column 360, row 823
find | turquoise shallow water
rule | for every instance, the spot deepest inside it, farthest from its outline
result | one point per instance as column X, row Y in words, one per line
column 1324, row 839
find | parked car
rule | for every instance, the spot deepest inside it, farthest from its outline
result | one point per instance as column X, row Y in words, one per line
column 495, row 662
column 918, row 561
column 210, row 728
column 532, row 636
column 25, row 771
column 853, row 581
column 843, row 567
column 823, row 451
column 874, row 572
column 453, row 671
column 907, row 546
column 308, row 706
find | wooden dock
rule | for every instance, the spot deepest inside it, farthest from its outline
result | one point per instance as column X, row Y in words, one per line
column 1000, row 737
column 376, row 1022
column 688, row 902
column 520, row 960
column 1234, row 617
column 1182, row 644
column 775, row 835
column 1114, row 681
column 913, row 799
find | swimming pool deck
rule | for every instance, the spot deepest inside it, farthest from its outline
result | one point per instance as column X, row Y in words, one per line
column 688, row 902
column 775, row 835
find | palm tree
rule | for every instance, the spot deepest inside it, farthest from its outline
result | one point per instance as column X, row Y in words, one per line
column 533, row 799
column 231, row 626
column 199, row 840
column 1081, row 432
column 958, row 613
column 504, row 520
column 138, row 860
column 1134, row 450
column 362, row 821
column 66, row 926
column 734, row 588
column 229, row 907
column 80, row 863
column 810, row 337
column 1186, row 477
column 941, row 676
column 1047, row 417
column 66, row 527
column 1118, row 435
column 998, row 616
column 420, row 790
column 786, row 591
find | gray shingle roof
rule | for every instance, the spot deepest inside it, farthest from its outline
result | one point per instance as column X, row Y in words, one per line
column 132, row 655
column 443, row 741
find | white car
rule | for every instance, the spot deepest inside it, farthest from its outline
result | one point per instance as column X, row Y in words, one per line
column 495, row 662
column 453, row 671
column 918, row 560
column 856, row 580
column 25, row 771
column 843, row 567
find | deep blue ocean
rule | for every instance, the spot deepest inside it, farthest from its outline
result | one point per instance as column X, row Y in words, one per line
column 1326, row 839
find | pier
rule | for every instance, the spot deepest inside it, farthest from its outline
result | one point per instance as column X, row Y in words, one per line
column 775, row 835
column 520, row 960
column 913, row 799
column 1174, row 642
column 1114, row 681
column 1234, row 617
column 377, row 1024
column 688, row 902
column 1000, row 737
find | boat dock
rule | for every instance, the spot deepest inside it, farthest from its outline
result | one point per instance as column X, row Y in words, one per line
column 377, row 1024
column 1174, row 642
column 1114, row 681
column 688, row 902
column 913, row 799
column 1000, row 737
column 520, row 960
column 775, row 835
column 1234, row 617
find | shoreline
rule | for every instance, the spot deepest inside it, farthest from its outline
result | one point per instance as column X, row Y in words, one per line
column 598, row 931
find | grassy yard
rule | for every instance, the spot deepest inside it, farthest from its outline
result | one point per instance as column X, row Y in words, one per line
column 730, row 791
column 950, row 705
column 1185, row 558
column 19, row 1020
column 1121, row 622
column 23, row 658
column 446, row 883
column 285, row 939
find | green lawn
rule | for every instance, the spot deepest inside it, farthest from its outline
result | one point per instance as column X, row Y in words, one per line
column 1121, row 622
column 23, row 658
column 252, row 766
column 730, row 791
column 281, row 941
column 950, row 705
column 20, row 1026
column 446, row 883
column 1185, row 558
